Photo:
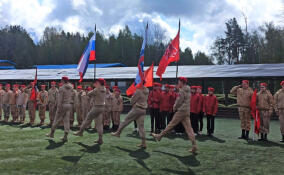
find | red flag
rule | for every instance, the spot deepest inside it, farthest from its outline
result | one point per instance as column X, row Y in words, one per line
column 149, row 76
column 33, row 96
column 255, row 112
column 171, row 54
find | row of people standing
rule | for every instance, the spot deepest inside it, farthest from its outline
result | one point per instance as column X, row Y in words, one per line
column 161, row 102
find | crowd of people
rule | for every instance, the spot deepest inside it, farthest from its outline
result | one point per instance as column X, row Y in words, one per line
column 173, row 108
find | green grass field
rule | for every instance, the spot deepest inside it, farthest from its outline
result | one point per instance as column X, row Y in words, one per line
column 26, row 150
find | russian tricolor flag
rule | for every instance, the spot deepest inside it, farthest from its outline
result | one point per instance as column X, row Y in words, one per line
column 88, row 55
column 140, row 75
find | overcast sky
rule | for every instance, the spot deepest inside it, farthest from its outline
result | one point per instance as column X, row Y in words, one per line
column 201, row 20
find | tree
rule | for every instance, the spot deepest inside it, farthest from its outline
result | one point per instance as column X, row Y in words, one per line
column 201, row 58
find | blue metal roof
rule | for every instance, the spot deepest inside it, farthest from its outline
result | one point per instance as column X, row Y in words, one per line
column 7, row 61
column 7, row 67
column 74, row 66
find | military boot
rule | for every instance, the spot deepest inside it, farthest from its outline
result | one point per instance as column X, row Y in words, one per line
column 261, row 137
column 247, row 135
column 282, row 139
column 64, row 138
column 265, row 137
column 243, row 136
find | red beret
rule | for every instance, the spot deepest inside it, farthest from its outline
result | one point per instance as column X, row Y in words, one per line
column 156, row 84
column 107, row 86
column 53, row 82
column 8, row 85
column 211, row 89
column 23, row 86
column 15, row 85
column 1, row 85
column 89, row 88
column 101, row 81
column 117, row 90
column 114, row 87
column 167, row 85
column 65, row 78
column 79, row 87
column 32, row 83
column 183, row 79
column 193, row 87
column 263, row 84
column 245, row 81
column 43, row 85
column 199, row 87
column 282, row 83
column 60, row 84
column 172, row 86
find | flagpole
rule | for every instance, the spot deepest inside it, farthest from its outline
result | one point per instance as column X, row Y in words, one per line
column 95, row 65
column 178, row 51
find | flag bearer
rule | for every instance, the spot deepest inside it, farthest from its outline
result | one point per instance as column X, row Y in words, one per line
column 97, row 111
column 13, row 103
column 117, row 107
column 210, row 108
column 42, row 102
column 6, row 102
column 64, row 108
column 22, row 103
column 52, row 101
column 182, row 108
column 264, row 104
column 244, row 94
column 138, row 113
column 279, row 108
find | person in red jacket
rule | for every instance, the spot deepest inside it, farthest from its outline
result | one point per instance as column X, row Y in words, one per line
column 200, row 108
column 210, row 109
column 173, row 97
column 164, row 107
column 154, row 102
column 194, row 101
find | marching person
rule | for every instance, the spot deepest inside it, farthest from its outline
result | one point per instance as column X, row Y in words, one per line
column 72, row 116
column 279, row 108
column 97, row 111
column 182, row 108
column 200, row 108
column 137, row 113
column 6, row 102
column 244, row 94
column 154, row 104
column 164, row 106
column 64, row 108
column 42, row 99
column 1, row 100
column 194, row 109
column 117, row 107
column 78, row 105
column 31, row 103
column 210, row 108
column 22, row 103
column 52, row 102
column 108, row 109
column 265, row 105
column 13, row 103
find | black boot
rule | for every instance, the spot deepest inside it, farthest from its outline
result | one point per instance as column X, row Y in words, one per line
column 282, row 139
column 247, row 135
column 265, row 137
column 261, row 137
column 243, row 134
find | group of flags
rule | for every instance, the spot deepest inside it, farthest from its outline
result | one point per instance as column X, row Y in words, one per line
column 171, row 55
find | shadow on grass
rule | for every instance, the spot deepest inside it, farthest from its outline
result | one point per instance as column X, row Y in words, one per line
column 9, row 123
column 203, row 138
column 186, row 160
column 265, row 143
column 174, row 136
column 139, row 155
column 72, row 159
column 53, row 144
column 89, row 149
column 138, row 137
column 26, row 125
column 189, row 172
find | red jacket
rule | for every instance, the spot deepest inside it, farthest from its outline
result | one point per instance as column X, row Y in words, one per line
column 210, row 106
column 194, row 103
column 172, row 101
column 165, row 101
column 200, row 103
column 154, row 99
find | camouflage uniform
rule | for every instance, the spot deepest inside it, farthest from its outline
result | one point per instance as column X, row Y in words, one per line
column 31, row 106
column 117, row 106
column 22, row 104
column 52, row 103
column 1, row 101
column 13, row 106
column 6, row 104
column 108, row 110
column 42, row 102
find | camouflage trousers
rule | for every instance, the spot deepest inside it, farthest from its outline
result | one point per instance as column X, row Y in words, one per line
column 281, row 120
column 1, row 109
column 72, row 116
column 22, row 113
column 245, row 117
column 79, row 114
column 41, row 113
column 107, row 117
column 115, row 117
column 6, row 110
column 264, row 121
column 32, row 111
column 14, row 112
column 63, row 115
